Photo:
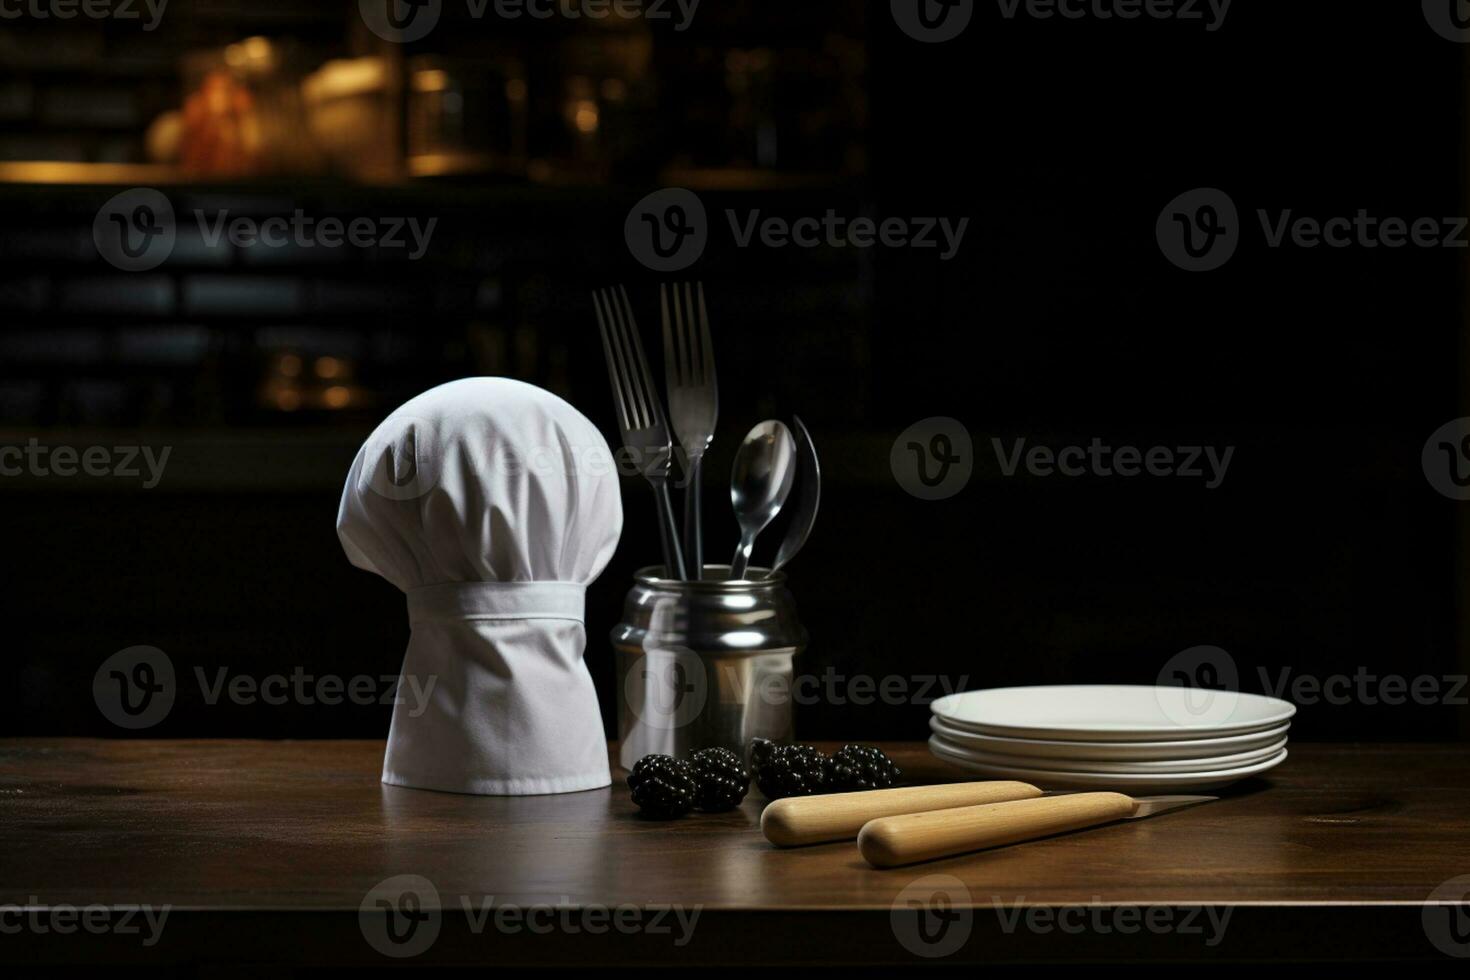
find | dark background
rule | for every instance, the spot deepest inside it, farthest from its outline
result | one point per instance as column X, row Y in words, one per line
column 1325, row 551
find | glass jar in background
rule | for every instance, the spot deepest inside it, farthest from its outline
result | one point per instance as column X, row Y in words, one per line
column 242, row 114
column 352, row 114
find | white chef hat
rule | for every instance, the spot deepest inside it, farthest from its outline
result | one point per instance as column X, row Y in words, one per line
column 492, row 504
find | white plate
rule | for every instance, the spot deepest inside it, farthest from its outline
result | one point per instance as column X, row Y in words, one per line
column 1120, row 782
column 1203, row 764
column 1032, row 748
column 1111, row 712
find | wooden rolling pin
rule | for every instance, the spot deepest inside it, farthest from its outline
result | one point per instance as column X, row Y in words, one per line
column 814, row 819
column 896, row 840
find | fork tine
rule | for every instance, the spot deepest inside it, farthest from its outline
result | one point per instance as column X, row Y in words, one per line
column 628, row 336
column 613, row 374
column 691, row 341
column 684, row 317
column 707, row 349
column 681, row 320
column 626, row 369
column 651, row 403
column 671, row 357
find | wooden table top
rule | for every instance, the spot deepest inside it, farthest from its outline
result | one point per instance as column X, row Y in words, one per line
column 1342, row 838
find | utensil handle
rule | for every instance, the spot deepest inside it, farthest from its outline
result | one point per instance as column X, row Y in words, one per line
column 814, row 819
column 668, row 531
column 891, row 841
column 741, row 561
column 693, row 532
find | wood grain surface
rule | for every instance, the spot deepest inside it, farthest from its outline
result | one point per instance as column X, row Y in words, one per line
column 227, row 828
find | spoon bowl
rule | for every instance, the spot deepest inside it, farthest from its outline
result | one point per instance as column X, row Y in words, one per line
column 760, row 482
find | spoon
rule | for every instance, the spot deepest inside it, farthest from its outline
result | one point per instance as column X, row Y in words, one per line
column 808, row 496
column 764, row 467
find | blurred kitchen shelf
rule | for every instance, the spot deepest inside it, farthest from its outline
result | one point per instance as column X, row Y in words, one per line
column 424, row 171
column 65, row 172
column 751, row 179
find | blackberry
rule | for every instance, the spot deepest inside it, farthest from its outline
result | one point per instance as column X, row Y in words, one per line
column 760, row 751
column 794, row 770
column 663, row 787
column 721, row 778
column 858, row 767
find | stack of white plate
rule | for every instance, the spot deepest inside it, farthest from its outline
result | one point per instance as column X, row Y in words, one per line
column 1133, row 739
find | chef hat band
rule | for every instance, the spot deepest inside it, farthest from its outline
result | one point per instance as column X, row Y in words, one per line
column 461, row 601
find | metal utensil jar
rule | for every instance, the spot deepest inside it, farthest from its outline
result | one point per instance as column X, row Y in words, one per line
column 706, row 663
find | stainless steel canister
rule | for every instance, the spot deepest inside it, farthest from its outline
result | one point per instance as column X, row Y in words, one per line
column 705, row 663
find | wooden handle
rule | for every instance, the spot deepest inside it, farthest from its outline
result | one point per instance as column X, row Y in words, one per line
column 814, row 819
column 912, row 837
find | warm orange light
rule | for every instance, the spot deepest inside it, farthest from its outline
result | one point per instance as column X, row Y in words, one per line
column 336, row 396
column 586, row 117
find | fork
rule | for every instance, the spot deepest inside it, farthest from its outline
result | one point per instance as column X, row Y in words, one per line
column 640, row 416
column 689, row 366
